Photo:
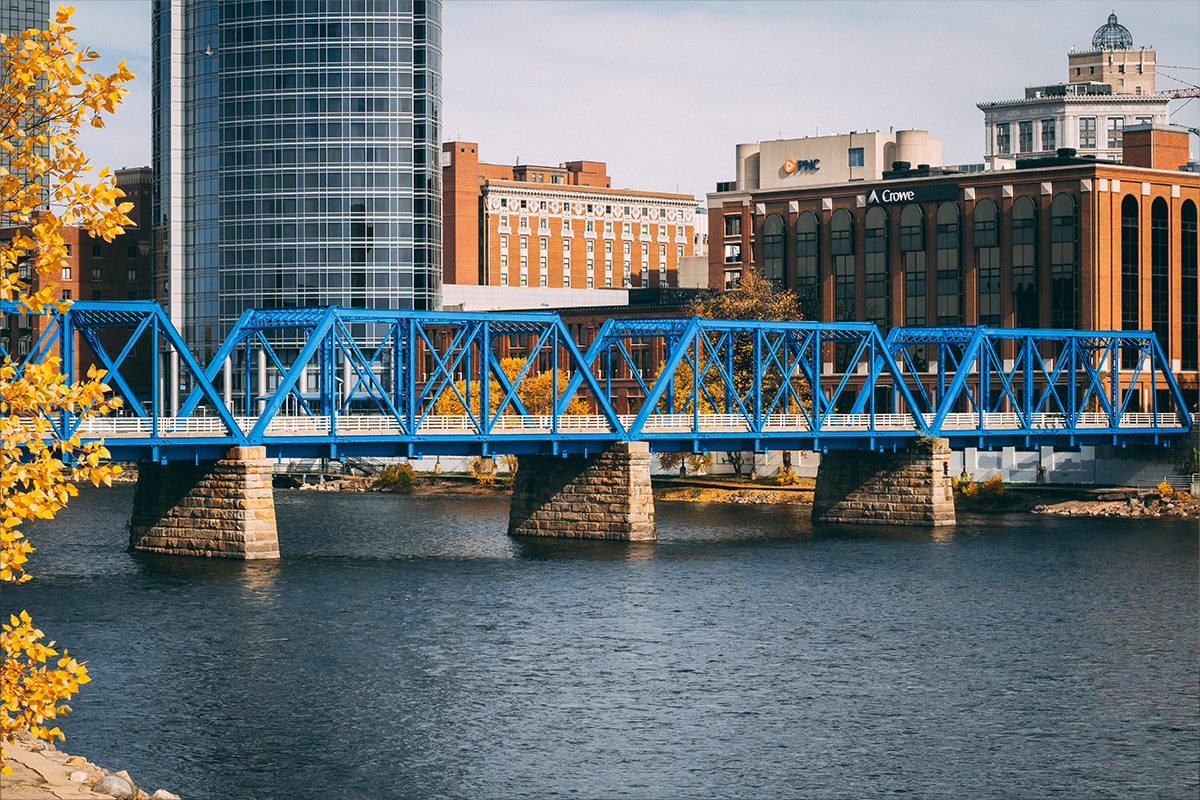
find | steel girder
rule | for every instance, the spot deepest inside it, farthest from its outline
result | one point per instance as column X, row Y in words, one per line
column 714, row 384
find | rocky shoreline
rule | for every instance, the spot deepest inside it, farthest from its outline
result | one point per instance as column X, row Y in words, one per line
column 1129, row 503
column 43, row 772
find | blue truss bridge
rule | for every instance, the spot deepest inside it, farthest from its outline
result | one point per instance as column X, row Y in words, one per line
column 334, row 382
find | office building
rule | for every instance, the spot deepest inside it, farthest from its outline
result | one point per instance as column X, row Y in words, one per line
column 1058, row 242
column 1109, row 87
column 97, row 270
column 295, row 157
column 561, row 226
column 817, row 160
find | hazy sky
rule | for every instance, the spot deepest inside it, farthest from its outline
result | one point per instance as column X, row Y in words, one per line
column 662, row 90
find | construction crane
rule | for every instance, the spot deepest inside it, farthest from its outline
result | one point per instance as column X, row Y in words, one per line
column 1179, row 94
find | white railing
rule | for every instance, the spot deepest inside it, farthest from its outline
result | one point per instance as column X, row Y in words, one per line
column 368, row 425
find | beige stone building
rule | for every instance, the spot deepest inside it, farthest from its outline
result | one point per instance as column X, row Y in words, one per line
column 818, row 160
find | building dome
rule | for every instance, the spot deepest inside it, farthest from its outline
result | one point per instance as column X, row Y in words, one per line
column 1112, row 36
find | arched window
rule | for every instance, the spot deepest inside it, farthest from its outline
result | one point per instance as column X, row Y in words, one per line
column 1191, row 304
column 772, row 238
column 1024, row 263
column 986, row 239
column 949, row 265
column 875, row 267
column 1064, row 262
column 841, row 248
column 1130, row 291
column 1160, row 273
column 912, row 256
column 808, row 265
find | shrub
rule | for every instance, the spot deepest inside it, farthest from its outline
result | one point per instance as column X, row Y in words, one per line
column 397, row 478
column 785, row 477
column 483, row 470
column 1191, row 463
column 970, row 489
column 1164, row 489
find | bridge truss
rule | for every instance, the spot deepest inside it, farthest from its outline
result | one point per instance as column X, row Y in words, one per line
column 331, row 382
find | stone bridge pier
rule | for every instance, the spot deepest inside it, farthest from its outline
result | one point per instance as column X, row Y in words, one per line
column 603, row 496
column 216, row 509
column 908, row 487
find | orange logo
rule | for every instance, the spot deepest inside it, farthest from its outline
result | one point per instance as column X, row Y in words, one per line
column 789, row 166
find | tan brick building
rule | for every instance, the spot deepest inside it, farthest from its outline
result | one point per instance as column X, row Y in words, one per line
column 562, row 226
column 1062, row 242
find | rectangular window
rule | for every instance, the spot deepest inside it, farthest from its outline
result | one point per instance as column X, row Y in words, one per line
column 733, row 224
column 1116, row 127
column 95, row 273
column 542, row 263
column 608, row 229
column 591, row 246
column 66, row 294
column 132, row 275
column 524, row 223
column 503, row 260
column 1087, row 133
column 504, row 279
column 627, row 248
column 67, row 249
column 524, row 243
column 1049, row 139
column 542, row 243
column 1003, row 138
column 95, row 251
column 591, row 226
column 645, row 229
column 856, row 156
column 66, row 273
column 1025, row 130
column 132, row 251
column 544, row 224
column 133, row 294
column 567, row 246
column 503, row 243
column 1140, row 121
column 95, row 294
column 645, row 251
column 733, row 253
column 628, row 229
column 608, row 247
column 524, row 263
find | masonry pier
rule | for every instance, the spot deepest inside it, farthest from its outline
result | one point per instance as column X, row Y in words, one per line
column 908, row 487
column 216, row 509
column 603, row 496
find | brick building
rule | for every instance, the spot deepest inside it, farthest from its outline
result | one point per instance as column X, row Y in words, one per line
column 562, row 226
column 98, row 270
column 1064, row 242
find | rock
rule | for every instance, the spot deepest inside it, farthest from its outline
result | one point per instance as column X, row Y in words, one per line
column 114, row 785
column 163, row 794
column 77, row 761
column 78, row 776
column 125, row 775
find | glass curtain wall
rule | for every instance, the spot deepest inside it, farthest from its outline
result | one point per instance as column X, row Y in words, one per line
column 307, row 169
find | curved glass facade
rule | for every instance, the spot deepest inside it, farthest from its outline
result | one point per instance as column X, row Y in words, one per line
column 297, row 156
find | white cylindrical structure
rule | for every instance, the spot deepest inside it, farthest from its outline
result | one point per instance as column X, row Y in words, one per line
column 174, row 378
column 262, row 380
column 227, row 383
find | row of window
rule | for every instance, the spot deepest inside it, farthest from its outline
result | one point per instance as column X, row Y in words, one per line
column 590, row 209
column 132, row 274
column 1026, row 135
column 1160, row 274
column 912, row 248
column 590, row 227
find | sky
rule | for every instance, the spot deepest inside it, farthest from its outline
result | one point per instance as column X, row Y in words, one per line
column 663, row 90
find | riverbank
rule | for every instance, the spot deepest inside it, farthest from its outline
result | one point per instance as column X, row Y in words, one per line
column 40, row 771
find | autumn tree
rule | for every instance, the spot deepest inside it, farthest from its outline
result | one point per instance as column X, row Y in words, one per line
column 754, row 298
column 536, row 392
column 48, row 93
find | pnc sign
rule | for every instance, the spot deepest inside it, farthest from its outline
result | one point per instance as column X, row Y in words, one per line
column 793, row 165
column 912, row 194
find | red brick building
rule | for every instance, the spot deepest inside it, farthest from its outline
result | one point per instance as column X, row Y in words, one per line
column 1062, row 242
column 98, row 270
column 562, row 226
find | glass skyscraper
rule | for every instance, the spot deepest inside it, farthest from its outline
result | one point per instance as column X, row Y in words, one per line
column 296, row 157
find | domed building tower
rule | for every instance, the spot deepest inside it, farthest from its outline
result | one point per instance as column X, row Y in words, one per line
column 1109, row 87
column 1114, row 61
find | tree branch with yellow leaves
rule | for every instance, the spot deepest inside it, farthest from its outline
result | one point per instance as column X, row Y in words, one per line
column 48, row 93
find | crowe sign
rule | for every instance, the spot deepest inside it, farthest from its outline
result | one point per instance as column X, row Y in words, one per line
column 912, row 194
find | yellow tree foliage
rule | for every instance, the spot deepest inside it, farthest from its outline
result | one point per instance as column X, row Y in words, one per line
column 535, row 391
column 47, row 95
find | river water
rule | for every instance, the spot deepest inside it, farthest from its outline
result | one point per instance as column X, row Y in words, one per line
column 404, row 646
